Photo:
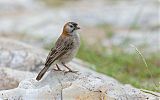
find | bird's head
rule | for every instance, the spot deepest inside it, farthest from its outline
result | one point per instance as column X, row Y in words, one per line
column 70, row 28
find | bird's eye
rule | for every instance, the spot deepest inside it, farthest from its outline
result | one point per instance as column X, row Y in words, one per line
column 71, row 26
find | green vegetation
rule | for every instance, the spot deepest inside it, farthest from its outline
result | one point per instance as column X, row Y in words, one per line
column 56, row 3
column 108, row 29
column 125, row 67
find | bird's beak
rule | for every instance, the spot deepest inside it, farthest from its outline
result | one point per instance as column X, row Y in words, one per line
column 77, row 28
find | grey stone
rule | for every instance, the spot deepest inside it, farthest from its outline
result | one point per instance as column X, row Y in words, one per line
column 18, row 55
column 84, row 85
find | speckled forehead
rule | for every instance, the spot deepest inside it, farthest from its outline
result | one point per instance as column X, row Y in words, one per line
column 70, row 23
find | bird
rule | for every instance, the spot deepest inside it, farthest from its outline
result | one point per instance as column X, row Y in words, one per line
column 65, row 49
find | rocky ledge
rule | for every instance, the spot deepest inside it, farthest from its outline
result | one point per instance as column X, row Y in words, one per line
column 57, row 85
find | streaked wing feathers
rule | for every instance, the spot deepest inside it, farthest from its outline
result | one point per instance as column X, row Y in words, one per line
column 61, row 47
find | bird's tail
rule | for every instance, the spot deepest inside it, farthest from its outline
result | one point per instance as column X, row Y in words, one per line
column 42, row 72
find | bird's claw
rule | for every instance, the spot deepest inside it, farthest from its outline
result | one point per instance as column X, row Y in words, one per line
column 57, row 70
column 70, row 71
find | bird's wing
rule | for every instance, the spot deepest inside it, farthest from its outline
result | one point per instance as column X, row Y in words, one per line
column 61, row 47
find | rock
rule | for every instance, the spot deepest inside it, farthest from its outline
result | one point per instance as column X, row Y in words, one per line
column 10, row 79
column 123, row 39
column 84, row 85
column 18, row 55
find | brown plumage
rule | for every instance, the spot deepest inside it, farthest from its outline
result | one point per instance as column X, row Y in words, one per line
column 65, row 48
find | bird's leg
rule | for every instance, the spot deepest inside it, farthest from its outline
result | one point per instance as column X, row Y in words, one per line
column 58, row 69
column 69, row 68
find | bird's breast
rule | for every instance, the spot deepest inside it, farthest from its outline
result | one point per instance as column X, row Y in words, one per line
column 73, row 50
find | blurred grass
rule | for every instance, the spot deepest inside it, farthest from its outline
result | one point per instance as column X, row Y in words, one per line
column 125, row 67
column 108, row 29
column 56, row 3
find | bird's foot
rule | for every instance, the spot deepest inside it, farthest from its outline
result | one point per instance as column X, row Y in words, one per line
column 57, row 70
column 71, row 71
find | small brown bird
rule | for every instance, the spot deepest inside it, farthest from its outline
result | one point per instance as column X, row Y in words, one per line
column 65, row 49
